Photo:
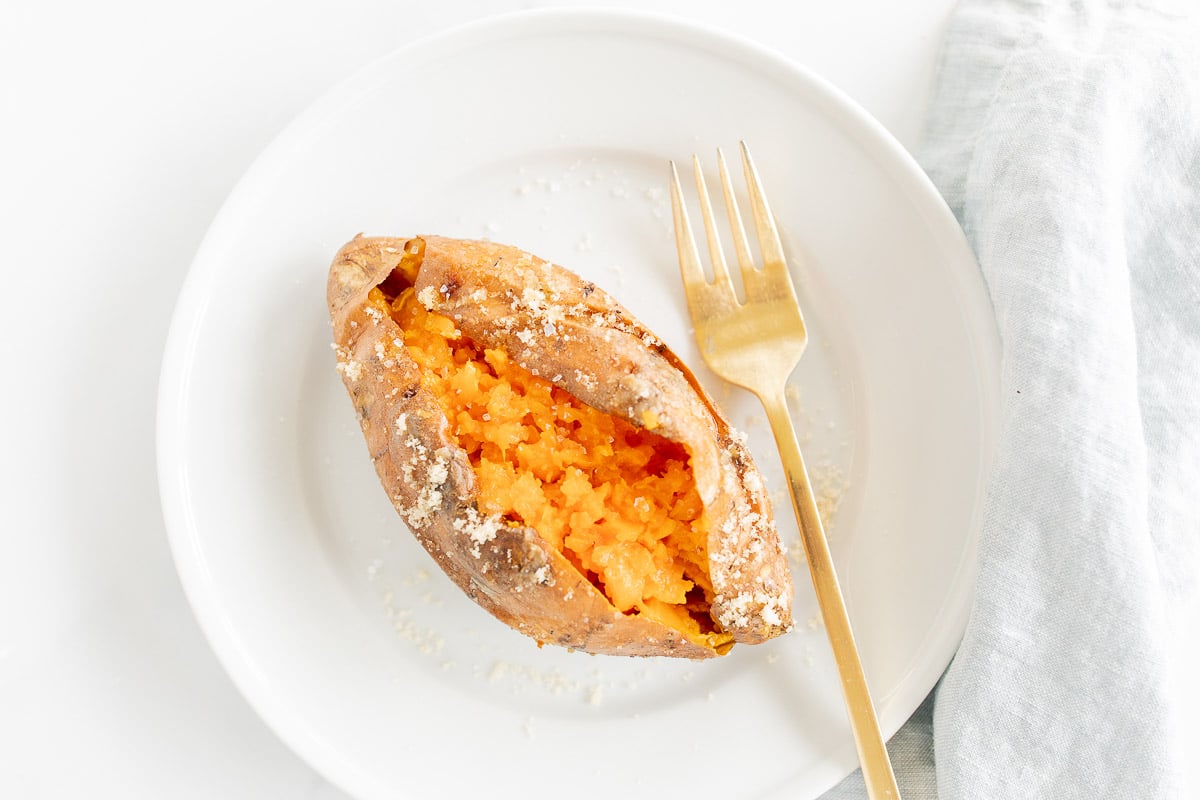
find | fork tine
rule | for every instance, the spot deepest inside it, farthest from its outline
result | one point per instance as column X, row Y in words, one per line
column 764, row 221
column 715, row 252
column 745, row 260
column 685, row 243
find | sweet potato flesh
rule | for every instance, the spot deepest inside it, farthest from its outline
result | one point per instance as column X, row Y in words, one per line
column 617, row 500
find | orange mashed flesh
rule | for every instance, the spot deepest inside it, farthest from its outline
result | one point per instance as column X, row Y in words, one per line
column 618, row 501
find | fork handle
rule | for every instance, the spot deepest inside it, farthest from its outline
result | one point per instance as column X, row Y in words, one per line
column 872, row 752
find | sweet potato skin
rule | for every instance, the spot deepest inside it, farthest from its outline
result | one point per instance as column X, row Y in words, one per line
column 571, row 332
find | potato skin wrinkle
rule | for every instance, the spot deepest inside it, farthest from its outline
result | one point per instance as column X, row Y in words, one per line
column 560, row 464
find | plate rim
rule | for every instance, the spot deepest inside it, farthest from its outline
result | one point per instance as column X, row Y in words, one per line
column 192, row 301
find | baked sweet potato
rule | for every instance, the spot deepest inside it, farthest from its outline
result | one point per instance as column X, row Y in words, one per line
column 557, row 460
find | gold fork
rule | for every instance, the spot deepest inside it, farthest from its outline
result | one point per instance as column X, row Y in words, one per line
column 756, row 345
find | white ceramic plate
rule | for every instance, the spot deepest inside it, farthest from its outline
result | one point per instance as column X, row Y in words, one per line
column 552, row 131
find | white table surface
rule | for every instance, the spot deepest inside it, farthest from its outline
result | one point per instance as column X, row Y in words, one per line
column 124, row 126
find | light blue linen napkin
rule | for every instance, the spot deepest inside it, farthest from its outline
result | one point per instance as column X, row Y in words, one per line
column 1066, row 138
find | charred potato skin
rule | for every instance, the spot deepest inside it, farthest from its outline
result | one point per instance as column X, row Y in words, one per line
column 593, row 348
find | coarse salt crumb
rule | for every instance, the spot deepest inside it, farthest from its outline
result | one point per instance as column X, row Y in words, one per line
column 351, row 369
column 428, row 297
column 753, row 481
column 480, row 530
column 587, row 381
column 429, row 500
column 829, row 487
column 426, row 641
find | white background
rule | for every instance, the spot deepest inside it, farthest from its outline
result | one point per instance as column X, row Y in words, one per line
column 123, row 126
